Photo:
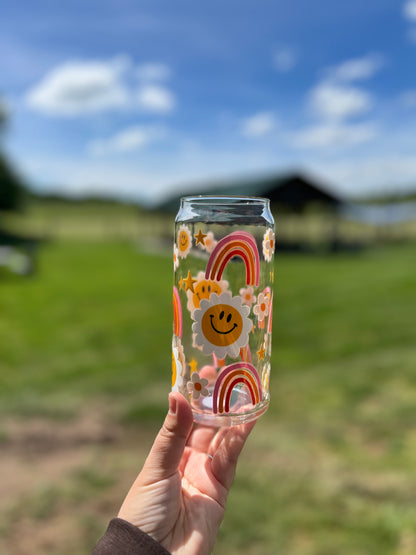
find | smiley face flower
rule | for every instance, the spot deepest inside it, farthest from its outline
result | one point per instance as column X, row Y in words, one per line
column 178, row 363
column 268, row 245
column 184, row 239
column 197, row 386
column 203, row 288
column 222, row 325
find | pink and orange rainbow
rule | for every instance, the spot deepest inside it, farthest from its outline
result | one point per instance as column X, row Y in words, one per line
column 238, row 243
column 230, row 376
column 177, row 313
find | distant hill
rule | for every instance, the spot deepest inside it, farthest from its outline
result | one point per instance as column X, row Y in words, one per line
column 88, row 200
column 388, row 197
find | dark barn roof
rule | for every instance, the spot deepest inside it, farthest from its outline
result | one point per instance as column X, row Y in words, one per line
column 292, row 191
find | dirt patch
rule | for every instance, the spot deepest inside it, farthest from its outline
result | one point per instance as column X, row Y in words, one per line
column 41, row 450
column 61, row 481
column 42, row 435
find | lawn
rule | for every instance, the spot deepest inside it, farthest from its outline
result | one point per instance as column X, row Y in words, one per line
column 85, row 372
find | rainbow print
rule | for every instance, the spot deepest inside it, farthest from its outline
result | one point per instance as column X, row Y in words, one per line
column 269, row 293
column 177, row 313
column 245, row 354
column 238, row 243
column 230, row 376
column 269, row 325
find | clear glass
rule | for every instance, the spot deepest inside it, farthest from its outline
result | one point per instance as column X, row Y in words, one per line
column 222, row 305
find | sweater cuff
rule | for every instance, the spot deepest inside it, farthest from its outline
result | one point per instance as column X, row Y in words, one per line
column 124, row 538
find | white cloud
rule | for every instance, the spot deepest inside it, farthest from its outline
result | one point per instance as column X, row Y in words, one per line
column 388, row 173
column 356, row 68
column 155, row 98
column 339, row 102
column 81, row 87
column 409, row 10
column 335, row 99
column 186, row 166
column 334, row 134
column 284, row 59
column 130, row 139
column 258, row 125
column 153, row 71
column 84, row 87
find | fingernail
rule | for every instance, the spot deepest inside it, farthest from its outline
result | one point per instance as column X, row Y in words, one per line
column 172, row 404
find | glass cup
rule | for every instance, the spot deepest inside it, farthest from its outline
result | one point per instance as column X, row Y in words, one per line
column 222, row 306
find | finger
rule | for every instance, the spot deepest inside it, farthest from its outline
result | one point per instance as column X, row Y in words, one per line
column 167, row 450
column 209, row 373
column 201, row 438
column 217, row 440
column 224, row 461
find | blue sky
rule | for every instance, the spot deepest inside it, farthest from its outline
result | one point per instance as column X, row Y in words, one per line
column 137, row 98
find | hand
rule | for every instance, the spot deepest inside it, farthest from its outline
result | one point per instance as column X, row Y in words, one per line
column 179, row 496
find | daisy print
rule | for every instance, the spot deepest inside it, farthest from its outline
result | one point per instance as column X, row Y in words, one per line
column 261, row 309
column 268, row 245
column 175, row 257
column 247, row 296
column 209, row 243
column 197, row 386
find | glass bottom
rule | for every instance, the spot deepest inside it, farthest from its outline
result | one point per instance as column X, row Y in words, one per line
column 242, row 411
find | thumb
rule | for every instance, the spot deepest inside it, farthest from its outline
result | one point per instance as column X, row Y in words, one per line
column 168, row 447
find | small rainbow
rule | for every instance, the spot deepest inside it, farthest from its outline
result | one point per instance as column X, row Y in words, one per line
column 269, row 293
column 269, row 325
column 238, row 243
column 177, row 313
column 230, row 376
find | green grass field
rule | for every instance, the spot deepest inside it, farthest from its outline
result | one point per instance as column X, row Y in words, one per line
column 331, row 467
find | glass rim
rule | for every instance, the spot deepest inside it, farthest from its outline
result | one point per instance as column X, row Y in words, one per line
column 232, row 199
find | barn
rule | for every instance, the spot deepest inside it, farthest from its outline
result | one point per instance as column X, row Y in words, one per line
column 292, row 193
column 305, row 211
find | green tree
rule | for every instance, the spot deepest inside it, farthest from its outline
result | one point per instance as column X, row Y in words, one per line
column 11, row 187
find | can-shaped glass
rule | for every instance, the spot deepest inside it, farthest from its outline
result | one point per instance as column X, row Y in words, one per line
column 223, row 307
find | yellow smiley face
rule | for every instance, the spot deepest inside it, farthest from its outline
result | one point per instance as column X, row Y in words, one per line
column 222, row 325
column 203, row 290
column 183, row 241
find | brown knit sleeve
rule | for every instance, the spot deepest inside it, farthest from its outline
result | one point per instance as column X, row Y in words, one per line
column 123, row 538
